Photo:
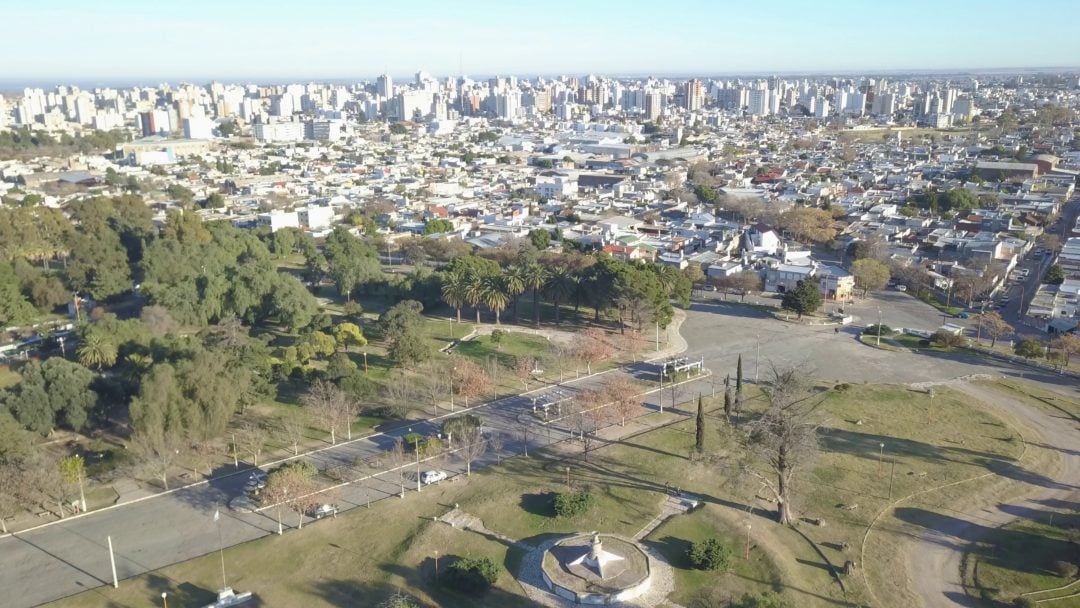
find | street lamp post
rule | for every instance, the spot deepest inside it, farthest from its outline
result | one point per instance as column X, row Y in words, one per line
column 879, row 327
column 164, row 599
column 365, row 362
column 881, row 454
column 568, row 479
column 416, row 448
column 757, row 359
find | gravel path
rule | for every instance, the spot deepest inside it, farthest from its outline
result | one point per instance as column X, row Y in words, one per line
column 934, row 562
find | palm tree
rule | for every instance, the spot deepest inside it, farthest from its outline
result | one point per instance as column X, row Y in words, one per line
column 474, row 292
column 97, row 351
column 453, row 291
column 514, row 283
column 561, row 284
column 535, row 277
column 494, row 294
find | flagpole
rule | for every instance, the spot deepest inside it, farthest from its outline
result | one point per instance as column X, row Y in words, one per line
column 221, row 548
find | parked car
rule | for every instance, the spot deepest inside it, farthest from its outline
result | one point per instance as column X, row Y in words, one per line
column 901, row 288
column 322, row 511
column 430, row 477
column 961, row 315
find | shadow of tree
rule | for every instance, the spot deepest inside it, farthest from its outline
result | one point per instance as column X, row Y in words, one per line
column 674, row 550
column 542, row 503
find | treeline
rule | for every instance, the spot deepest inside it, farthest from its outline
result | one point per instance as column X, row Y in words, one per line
column 23, row 141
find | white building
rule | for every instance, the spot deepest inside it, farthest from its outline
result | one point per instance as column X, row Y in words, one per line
column 198, row 127
column 555, row 187
column 758, row 102
column 277, row 220
column 278, row 131
column 315, row 218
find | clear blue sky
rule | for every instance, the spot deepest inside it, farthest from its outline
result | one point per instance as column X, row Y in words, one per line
column 151, row 40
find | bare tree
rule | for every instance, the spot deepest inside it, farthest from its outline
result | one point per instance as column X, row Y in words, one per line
column 157, row 451
column 586, row 416
column 292, row 486
column 471, row 445
column 327, row 404
column 13, row 490
column 495, row 443
column 591, row 346
column 400, row 394
column 993, row 325
column 784, row 438
column 626, row 397
column 398, row 458
column 291, row 429
column 434, row 381
column 523, row 370
column 251, row 439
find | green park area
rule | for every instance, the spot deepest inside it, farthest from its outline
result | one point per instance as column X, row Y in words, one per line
column 890, row 463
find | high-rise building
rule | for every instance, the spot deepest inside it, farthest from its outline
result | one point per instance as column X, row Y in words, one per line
column 654, row 105
column 384, row 86
column 148, row 123
column 694, row 95
column 508, row 105
column 198, row 127
column 758, row 102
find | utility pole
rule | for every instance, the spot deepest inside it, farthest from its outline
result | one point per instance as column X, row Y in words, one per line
column 879, row 327
column 112, row 562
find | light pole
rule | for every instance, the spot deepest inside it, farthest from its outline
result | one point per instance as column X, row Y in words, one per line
column 453, row 370
column 436, row 564
column 568, row 479
column 365, row 362
column 164, row 600
column 930, row 412
column 881, row 454
column 757, row 358
column 660, row 395
column 416, row 448
column 879, row 327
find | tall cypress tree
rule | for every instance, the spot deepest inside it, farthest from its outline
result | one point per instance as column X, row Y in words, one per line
column 727, row 397
column 738, row 386
column 699, row 438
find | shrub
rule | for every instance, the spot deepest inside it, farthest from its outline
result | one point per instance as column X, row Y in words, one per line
column 843, row 386
column 924, row 342
column 572, row 504
column 1065, row 569
column 947, row 339
column 471, row 575
column 1024, row 602
column 710, row 554
column 872, row 330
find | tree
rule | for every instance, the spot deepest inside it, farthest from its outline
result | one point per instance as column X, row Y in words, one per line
column 1055, row 275
column 561, row 284
column 437, row 226
column 454, row 291
column 250, row 438
column 494, row 294
column 97, row 350
column 534, row 278
column 994, row 326
column 349, row 334
column 947, row 339
column 870, row 275
column 290, row 486
column 291, row 430
column 783, row 439
column 540, row 238
column 590, row 346
column 1029, row 348
column 524, row 365
column 710, row 554
column 56, row 392
column 1068, row 344
column 625, row 396
column 469, row 441
column 73, row 471
column 401, row 326
column 329, row 406
column 14, row 307
column 809, row 224
column 157, row 450
column 470, row 380
column 804, row 298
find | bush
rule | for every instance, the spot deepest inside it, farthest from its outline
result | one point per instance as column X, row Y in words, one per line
column 471, row 575
column 572, row 504
column 924, row 342
column 710, row 554
column 872, row 330
column 843, row 386
column 1065, row 569
column 1024, row 602
column 946, row 339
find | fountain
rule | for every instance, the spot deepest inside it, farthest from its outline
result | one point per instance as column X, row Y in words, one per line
column 595, row 569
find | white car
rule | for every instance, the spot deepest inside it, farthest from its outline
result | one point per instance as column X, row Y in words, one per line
column 901, row 288
column 430, row 477
column 323, row 510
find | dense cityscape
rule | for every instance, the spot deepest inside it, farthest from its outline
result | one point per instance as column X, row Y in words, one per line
column 716, row 341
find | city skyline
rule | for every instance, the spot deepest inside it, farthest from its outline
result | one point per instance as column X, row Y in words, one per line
column 335, row 41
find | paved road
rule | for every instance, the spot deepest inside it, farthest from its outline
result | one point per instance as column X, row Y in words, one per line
column 66, row 558
column 69, row 557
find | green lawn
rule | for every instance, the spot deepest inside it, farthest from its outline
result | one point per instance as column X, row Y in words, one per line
column 329, row 562
column 1020, row 557
column 7, row 377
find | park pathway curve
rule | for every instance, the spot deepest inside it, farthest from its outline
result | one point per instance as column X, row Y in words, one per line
column 934, row 562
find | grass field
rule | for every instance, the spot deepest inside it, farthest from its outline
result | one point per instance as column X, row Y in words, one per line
column 1021, row 556
column 330, row 560
column 7, row 377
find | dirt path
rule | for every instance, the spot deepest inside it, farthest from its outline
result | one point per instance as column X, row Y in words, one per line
column 934, row 562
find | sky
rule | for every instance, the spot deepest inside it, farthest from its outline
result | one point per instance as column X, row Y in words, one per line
column 151, row 41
